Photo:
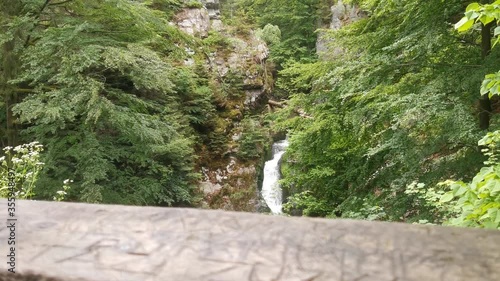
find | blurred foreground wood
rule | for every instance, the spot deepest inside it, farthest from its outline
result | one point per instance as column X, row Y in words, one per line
column 104, row 242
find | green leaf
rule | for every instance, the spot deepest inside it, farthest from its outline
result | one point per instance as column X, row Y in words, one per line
column 496, row 42
column 495, row 190
column 447, row 197
column 472, row 15
column 461, row 190
column 473, row 7
column 490, row 225
column 497, row 216
column 496, row 32
column 490, row 83
column 493, row 91
column 484, row 90
column 464, row 24
column 486, row 19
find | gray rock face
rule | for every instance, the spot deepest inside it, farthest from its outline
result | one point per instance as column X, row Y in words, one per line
column 233, row 173
column 217, row 25
column 211, row 4
column 213, row 8
column 252, row 96
column 106, row 243
column 262, row 52
column 194, row 21
column 209, row 187
column 245, row 53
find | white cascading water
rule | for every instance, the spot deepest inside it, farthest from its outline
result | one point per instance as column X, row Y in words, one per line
column 271, row 191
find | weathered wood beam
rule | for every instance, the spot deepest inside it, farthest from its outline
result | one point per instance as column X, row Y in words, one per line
column 105, row 242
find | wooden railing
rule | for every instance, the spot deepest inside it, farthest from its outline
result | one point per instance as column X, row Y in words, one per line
column 73, row 241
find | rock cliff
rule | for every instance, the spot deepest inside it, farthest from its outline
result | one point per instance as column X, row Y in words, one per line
column 242, row 79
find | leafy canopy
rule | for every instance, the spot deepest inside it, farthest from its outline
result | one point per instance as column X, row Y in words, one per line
column 396, row 106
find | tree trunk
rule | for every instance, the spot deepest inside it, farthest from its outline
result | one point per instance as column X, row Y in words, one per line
column 10, row 97
column 484, row 101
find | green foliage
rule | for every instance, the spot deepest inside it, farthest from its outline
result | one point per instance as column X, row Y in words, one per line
column 61, row 194
column 241, row 24
column 271, row 34
column 20, row 166
column 484, row 14
column 253, row 140
column 194, row 4
column 307, row 205
column 102, row 84
column 473, row 204
column 491, row 85
column 216, row 40
column 490, row 144
column 168, row 7
column 232, row 84
column 396, row 107
column 366, row 212
column 102, row 89
column 476, row 12
column 297, row 21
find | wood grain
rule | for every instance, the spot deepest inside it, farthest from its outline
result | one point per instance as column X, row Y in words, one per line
column 106, row 242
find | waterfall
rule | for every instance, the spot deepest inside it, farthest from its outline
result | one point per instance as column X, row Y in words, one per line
column 271, row 191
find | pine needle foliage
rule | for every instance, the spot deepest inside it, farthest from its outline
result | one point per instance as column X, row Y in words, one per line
column 101, row 85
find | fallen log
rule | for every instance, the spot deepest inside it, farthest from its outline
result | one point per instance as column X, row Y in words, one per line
column 275, row 103
column 72, row 241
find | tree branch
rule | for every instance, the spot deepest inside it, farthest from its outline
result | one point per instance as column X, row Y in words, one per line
column 47, row 2
column 60, row 3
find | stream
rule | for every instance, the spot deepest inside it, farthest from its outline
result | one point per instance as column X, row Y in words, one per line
column 271, row 191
